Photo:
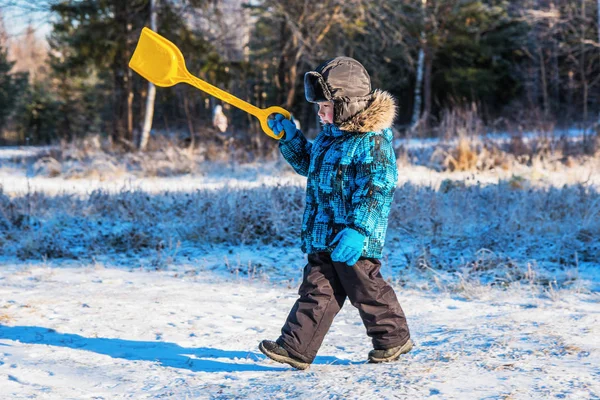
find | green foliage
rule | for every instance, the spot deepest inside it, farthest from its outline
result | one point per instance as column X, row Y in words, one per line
column 474, row 63
column 39, row 113
column 84, row 36
column 89, row 40
column 11, row 87
column 489, row 52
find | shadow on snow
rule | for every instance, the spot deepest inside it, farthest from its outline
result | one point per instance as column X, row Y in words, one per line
column 201, row 359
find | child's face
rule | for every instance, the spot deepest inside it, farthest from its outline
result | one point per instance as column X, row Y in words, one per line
column 326, row 112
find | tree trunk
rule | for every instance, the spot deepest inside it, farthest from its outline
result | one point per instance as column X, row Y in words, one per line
column 418, row 84
column 555, row 76
column 427, row 86
column 582, row 61
column 544, row 82
column 118, row 106
column 291, row 93
column 123, row 100
column 598, row 12
column 188, row 117
column 292, row 76
column 554, row 72
column 128, row 75
column 420, row 66
column 586, row 91
column 282, row 67
column 535, row 72
column 570, row 94
column 151, row 96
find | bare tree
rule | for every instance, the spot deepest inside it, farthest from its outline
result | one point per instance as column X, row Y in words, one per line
column 226, row 25
column 30, row 54
column 420, row 66
column 151, row 95
column 437, row 14
column 307, row 32
column 308, row 25
column 581, row 49
column 3, row 33
column 543, row 20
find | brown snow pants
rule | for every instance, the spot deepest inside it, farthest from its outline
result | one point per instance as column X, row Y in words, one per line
column 324, row 288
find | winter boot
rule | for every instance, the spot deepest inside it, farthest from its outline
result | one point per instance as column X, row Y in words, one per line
column 277, row 353
column 379, row 356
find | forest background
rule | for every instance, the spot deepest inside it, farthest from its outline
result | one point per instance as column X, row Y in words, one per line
column 491, row 66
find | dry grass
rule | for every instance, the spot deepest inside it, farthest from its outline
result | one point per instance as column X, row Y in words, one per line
column 464, row 148
column 94, row 158
column 477, row 154
column 462, row 158
column 464, row 145
column 5, row 319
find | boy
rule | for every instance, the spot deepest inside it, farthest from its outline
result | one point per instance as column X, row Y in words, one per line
column 351, row 171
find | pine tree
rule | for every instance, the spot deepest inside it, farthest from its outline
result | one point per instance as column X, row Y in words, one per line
column 11, row 87
column 96, row 38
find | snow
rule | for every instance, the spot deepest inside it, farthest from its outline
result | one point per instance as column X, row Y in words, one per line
column 17, row 181
column 12, row 152
column 497, row 137
column 127, row 326
column 104, row 332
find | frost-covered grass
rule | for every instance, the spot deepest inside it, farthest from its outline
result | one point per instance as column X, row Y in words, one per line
column 95, row 158
column 537, row 221
column 459, row 227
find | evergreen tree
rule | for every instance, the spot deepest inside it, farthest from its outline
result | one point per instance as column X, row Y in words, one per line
column 12, row 86
column 98, row 35
column 96, row 38
column 476, row 61
column 471, row 49
column 39, row 115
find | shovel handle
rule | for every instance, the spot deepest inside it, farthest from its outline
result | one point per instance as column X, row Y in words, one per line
column 261, row 113
column 264, row 118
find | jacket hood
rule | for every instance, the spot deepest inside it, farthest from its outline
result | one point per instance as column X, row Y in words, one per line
column 343, row 81
column 378, row 114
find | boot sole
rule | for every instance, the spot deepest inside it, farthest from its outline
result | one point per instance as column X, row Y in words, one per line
column 283, row 359
column 403, row 350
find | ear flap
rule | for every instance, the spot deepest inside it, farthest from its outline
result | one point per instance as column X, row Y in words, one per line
column 345, row 109
column 315, row 88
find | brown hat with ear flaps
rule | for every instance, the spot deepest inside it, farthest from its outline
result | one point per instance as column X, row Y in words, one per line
column 345, row 82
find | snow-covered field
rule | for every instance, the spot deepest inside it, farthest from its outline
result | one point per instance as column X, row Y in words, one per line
column 96, row 332
column 519, row 322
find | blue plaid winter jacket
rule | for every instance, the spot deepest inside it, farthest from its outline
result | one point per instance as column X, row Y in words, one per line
column 352, row 176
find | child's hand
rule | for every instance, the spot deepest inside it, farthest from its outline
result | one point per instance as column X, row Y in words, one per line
column 281, row 123
column 350, row 246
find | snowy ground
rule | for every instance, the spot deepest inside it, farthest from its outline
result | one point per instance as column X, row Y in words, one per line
column 96, row 332
column 118, row 328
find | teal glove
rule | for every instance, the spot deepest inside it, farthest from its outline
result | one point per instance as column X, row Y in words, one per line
column 350, row 246
column 281, row 123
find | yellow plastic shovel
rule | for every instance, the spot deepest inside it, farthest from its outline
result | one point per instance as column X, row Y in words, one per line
column 161, row 62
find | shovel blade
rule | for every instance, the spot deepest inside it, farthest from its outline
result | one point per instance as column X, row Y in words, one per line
column 158, row 60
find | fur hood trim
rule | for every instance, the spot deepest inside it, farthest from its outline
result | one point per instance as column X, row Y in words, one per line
column 378, row 115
